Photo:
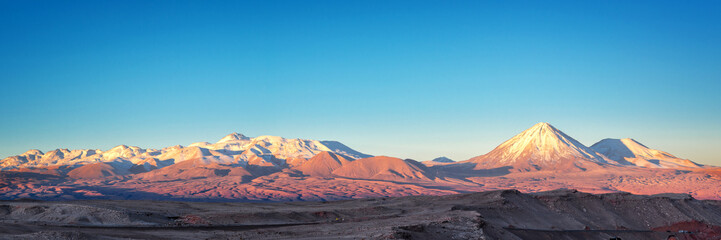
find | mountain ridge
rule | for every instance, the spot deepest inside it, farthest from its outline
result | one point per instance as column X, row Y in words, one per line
column 234, row 148
column 280, row 169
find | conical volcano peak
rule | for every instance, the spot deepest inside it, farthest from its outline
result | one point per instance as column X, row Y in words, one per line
column 542, row 128
column 233, row 137
column 542, row 125
column 539, row 147
column 544, row 137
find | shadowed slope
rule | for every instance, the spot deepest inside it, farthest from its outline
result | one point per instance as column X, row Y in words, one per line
column 341, row 148
column 438, row 161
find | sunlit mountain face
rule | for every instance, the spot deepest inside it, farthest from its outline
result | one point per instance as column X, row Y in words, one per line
column 271, row 168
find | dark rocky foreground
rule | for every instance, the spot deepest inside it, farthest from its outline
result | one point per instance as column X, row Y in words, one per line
column 507, row 214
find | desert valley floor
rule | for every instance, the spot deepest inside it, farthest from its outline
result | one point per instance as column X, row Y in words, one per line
column 291, row 186
column 502, row 214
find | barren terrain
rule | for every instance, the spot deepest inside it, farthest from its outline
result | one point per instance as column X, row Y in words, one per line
column 501, row 214
column 295, row 186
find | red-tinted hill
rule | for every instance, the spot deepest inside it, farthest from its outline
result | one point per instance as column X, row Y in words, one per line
column 192, row 169
column 93, row 170
column 323, row 164
column 382, row 168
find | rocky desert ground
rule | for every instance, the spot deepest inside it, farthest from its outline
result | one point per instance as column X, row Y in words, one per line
column 501, row 214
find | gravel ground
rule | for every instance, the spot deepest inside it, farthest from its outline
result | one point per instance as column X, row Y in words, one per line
column 502, row 214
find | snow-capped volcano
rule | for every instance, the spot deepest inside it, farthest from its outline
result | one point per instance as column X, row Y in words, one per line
column 630, row 150
column 541, row 147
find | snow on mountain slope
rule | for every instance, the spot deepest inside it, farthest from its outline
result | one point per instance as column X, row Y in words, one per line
column 19, row 160
column 638, row 154
column 233, row 137
column 36, row 158
column 283, row 148
column 123, row 151
column 541, row 147
column 381, row 168
column 234, row 149
column 275, row 151
column 196, row 153
column 148, row 164
column 32, row 152
column 293, row 150
column 344, row 150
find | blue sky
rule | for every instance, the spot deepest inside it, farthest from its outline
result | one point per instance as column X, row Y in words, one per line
column 411, row 79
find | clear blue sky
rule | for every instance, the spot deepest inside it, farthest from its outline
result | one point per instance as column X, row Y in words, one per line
column 411, row 79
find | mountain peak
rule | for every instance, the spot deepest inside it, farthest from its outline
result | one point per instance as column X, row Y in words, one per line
column 631, row 141
column 233, row 137
column 542, row 136
column 542, row 128
column 542, row 125
column 538, row 147
column 443, row 160
column 33, row 152
column 633, row 152
column 119, row 147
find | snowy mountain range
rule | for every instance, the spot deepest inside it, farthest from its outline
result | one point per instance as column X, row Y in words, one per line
column 233, row 149
column 541, row 149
